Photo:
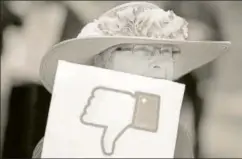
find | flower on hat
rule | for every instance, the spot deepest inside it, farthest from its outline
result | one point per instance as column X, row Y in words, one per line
column 138, row 21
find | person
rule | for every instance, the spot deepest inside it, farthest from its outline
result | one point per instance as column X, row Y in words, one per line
column 138, row 38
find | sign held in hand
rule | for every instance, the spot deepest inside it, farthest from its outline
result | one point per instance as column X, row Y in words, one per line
column 120, row 115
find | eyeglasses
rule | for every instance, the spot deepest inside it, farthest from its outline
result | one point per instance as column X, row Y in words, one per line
column 150, row 50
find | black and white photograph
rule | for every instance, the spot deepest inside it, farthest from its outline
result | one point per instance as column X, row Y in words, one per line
column 121, row 79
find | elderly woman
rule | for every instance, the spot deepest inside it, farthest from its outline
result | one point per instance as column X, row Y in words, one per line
column 136, row 19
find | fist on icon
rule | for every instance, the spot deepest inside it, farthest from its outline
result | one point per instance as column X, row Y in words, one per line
column 117, row 110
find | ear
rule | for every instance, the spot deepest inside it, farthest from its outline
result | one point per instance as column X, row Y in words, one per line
column 104, row 59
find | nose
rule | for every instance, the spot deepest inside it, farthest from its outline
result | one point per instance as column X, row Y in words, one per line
column 156, row 66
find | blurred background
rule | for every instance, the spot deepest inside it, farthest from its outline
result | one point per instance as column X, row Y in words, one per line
column 212, row 107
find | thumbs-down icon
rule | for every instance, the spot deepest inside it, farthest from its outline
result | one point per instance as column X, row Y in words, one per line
column 116, row 111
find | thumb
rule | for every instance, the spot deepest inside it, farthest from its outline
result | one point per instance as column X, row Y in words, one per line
column 110, row 137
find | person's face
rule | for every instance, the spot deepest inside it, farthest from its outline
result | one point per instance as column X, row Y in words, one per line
column 150, row 61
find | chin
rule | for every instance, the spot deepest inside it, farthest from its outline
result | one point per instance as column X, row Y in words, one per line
column 158, row 75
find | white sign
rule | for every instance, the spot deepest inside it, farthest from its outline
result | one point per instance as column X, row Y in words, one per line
column 102, row 113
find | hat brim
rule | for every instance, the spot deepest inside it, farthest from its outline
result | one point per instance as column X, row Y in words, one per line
column 82, row 51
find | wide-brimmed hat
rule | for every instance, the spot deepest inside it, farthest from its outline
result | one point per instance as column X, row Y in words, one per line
column 82, row 50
